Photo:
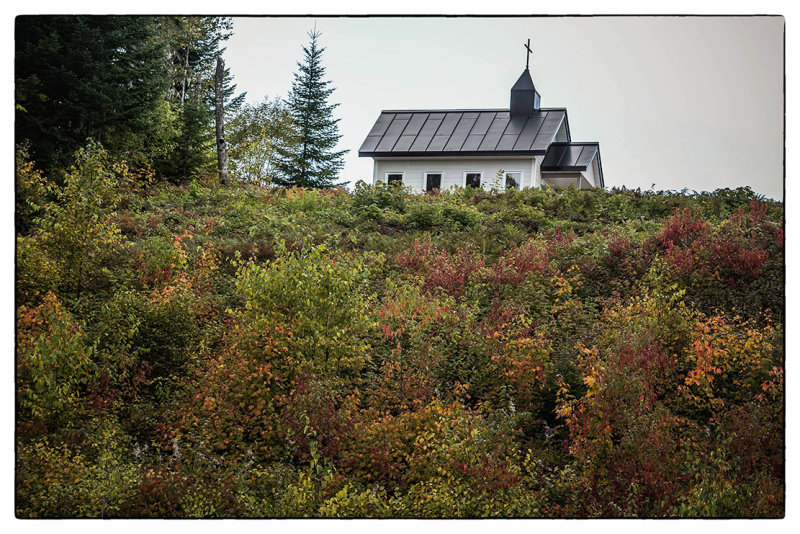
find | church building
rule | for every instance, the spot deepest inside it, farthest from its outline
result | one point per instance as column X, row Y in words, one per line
column 428, row 149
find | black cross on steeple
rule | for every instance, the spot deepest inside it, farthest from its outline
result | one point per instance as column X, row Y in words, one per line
column 528, row 55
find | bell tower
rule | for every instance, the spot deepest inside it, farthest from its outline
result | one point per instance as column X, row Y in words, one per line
column 525, row 100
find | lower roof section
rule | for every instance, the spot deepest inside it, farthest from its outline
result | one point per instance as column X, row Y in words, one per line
column 572, row 157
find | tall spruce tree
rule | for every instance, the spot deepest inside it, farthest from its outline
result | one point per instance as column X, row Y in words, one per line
column 311, row 161
column 143, row 86
column 88, row 76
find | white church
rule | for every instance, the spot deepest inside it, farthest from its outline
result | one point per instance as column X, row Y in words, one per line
column 427, row 149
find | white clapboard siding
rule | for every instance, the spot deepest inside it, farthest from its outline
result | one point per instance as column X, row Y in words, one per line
column 453, row 170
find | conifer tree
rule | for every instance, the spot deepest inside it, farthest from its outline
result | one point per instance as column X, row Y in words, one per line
column 87, row 76
column 311, row 161
column 194, row 44
column 141, row 86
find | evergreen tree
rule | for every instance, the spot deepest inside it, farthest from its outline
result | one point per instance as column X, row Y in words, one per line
column 193, row 46
column 87, row 76
column 311, row 161
column 142, row 86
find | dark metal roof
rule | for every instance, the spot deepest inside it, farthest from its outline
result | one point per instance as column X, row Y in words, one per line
column 572, row 157
column 476, row 132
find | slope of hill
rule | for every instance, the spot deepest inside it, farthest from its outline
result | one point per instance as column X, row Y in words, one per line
column 233, row 352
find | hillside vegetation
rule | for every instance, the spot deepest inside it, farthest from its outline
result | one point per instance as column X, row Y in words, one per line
column 208, row 351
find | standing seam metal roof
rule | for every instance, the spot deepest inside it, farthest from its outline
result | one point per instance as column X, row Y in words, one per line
column 569, row 156
column 461, row 132
column 573, row 157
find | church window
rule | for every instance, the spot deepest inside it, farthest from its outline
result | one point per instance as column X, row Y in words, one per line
column 513, row 180
column 472, row 179
column 433, row 180
column 394, row 178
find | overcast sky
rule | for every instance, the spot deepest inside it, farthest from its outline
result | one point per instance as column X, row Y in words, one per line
column 679, row 102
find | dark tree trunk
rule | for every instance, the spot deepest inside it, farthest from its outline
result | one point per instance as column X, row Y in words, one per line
column 222, row 152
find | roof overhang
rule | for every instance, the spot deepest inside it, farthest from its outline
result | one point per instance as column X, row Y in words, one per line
column 454, row 155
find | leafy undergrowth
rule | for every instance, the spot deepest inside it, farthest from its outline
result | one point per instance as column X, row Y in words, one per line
column 202, row 351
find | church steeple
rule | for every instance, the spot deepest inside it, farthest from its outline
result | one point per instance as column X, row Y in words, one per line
column 525, row 99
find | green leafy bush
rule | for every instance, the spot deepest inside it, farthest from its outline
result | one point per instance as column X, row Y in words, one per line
column 201, row 351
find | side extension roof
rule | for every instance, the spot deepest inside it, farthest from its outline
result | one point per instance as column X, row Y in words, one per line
column 572, row 157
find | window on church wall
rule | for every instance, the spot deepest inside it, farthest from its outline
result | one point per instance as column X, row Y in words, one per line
column 433, row 180
column 472, row 179
column 513, row 180
column 393, row 178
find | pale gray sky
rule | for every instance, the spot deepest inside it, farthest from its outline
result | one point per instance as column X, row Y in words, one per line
column 679, row 102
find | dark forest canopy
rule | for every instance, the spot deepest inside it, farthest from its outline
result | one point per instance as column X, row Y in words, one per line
column 142, row 86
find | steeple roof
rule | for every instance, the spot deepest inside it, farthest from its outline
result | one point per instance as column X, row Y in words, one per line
column 524, row 82
column 524, row 96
